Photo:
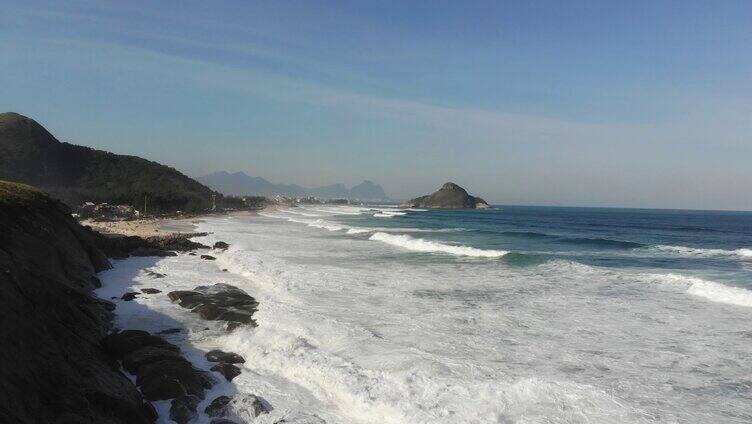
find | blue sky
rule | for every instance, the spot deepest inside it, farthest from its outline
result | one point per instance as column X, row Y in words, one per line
column 644, row 104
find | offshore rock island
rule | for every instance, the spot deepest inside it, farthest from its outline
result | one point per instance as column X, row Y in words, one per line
column 449, row 196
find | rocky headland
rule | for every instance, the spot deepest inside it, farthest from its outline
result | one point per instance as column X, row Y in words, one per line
column 53, row 368
column 63, row 362
column 450, row 196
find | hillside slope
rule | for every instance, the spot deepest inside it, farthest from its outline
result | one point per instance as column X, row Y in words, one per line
column 77, row 174
column 52, row 367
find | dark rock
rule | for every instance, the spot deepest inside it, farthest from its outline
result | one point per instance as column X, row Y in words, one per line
column 251, row 403
column 166, row 245
column 208, row 257
column 224, row 269
column 222, row 421
column 168, row 379
column 221, row 245
column 183, row 409
column 221, row 302
column 152, row 251
column 154, row 274
column 218, row 407
column 162, row 388
column 230, row 371
column 450, row 195
column 146, row 355
column 192, row 254
column 129, row 296
column 120, row 344
column 221, row 356
column 170, row 331
column 151, row 291
column 52, row 367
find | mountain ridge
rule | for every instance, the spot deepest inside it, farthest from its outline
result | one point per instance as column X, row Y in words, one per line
column 75, row 174
column 239, row 183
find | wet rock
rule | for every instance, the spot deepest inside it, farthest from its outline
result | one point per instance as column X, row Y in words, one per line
column 221, row 245
column 151, row 251
column 119, row 344
column 208, row 257
column 192, row 254
column 230, row 371
column 129, row 296
column 154, row 274
column 246, row 407
column 221, row 356
column 170, row 331
column 183, row 409
column 151, row 291
column 146, row 355
column 222, row 421
column 218, row 407
column 218, row 302
column 251, row 404
column 168, row 379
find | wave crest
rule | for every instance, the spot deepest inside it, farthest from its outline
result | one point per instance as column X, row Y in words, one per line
column 421, row 245
column 710, row 290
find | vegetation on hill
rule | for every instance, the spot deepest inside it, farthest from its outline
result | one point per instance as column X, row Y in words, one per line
column 77, row 174
column 450, row 195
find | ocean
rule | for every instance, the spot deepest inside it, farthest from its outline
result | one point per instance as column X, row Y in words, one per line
column 511, row 315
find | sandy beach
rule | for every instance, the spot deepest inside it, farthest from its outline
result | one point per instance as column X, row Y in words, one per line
column 149, row 227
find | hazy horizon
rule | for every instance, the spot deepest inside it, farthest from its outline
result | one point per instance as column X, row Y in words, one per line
column 622, row 105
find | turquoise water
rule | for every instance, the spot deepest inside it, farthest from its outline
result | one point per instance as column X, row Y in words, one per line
column 709, row 244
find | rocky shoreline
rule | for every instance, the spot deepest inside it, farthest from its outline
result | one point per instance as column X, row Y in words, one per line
column 67, row 364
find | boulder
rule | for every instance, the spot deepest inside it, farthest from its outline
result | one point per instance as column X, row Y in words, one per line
column 151, row 291
column 221, row 245
column 183, row 409
column 119, row 344
column 218, row 406
column 169, row 378
column 146, row 355
column 221, row 302
column 170, row 331
column 221, row 356
column 230, row 371
column 208, row 257
column 245, row 407
column 129, row 296
column 154, row 274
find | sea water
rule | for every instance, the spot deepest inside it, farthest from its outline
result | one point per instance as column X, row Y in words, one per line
column 512, row 315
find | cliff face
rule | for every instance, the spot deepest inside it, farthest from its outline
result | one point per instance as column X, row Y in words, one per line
column 52, row 367
column 77, row 174
column 450, row 195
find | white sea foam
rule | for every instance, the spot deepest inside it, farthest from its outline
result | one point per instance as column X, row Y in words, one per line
column 710, row 290
column 421, row 245
column 348, row 336
column 383, row 215
column 697, row 252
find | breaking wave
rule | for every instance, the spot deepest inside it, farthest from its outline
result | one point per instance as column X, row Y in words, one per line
column 421, row 245
column 692, row 251
column 710, row 290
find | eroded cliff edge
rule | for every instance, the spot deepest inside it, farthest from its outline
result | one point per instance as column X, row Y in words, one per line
column 52, row 366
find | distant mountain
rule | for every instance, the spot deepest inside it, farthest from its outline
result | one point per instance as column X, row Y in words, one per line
column 450, row 195
column 238, row 183
column 368, row 190
column 77, row 174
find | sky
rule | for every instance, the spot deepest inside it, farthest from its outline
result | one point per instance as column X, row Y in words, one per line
column 633, row 104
